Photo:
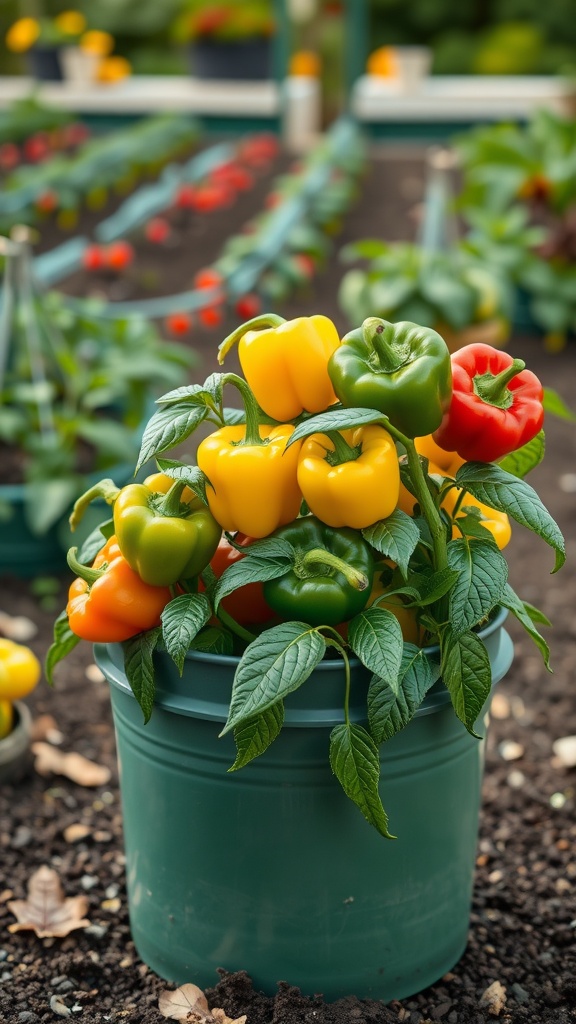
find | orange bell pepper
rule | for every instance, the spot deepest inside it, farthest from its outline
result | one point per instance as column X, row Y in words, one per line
column 109, row 602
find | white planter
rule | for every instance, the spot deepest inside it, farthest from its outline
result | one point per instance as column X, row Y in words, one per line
column 78, row 66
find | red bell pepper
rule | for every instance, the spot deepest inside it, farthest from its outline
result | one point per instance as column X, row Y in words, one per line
column 496, row 405
column 246, row 605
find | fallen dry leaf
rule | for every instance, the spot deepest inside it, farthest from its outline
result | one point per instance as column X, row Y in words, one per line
column 189, row 1003
column 494, row 999
column 17, row 627
column 74, row 833
column 45, row 727
column 73, row 766
column 47, row 911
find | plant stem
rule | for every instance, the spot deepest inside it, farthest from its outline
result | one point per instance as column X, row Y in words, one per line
column 321, row 557
column 427, row 505
column 252, row 433
column 234, row 626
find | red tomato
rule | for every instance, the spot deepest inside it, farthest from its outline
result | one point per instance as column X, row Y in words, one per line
column 185, row 197
column 207, row 278
column 9, row 156
column 178, row 323
column 248, row 306
column 119, row 255
column 246, row 605
column 93, row 258
column 47, row 201
column 157, row 230
column 210, row 316
column 37, row 147
column 306, row 263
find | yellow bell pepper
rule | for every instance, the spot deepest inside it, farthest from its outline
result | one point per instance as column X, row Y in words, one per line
column 19, row 670
column 286, row 362
column 493, row 520
column 350, row 478
column 6, row 718
column 253, row 486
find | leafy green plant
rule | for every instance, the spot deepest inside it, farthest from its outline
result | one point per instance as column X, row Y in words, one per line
column 519, row 196
column 225, row 22
column 73, row 389
column 404, row 281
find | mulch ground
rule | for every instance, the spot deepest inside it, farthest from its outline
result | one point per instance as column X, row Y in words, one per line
column 523, row 924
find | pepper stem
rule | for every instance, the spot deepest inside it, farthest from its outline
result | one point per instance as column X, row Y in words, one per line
column 169, row 504
column 321, row 557
column 104, row 489
column 493, row 388
column 373, row 331
column 343, row 452
column 252, row 433
column 257, row 323
column 83, row 571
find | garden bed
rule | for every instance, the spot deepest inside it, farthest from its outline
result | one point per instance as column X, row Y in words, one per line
column 523, row 924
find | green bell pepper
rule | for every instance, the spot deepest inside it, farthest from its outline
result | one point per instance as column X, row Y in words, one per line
column 330, row 579
column 402, row 370
column 162, row 537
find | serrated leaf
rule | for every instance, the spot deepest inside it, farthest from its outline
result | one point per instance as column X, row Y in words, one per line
column 253, row 737
column 192, row 476
column 526, row 458
column 191, row 393
column 500, row 490
column 375, row 637
column 482, row 573
column 273, row 665
column 522, row 612
column 139, row 668
column 432, row 587
column 182, row 619
column 466, row 674
column 391, row 708
column 213, row 640
column 395, row 538
column 355, row 763
column 64, row 642
column 168, row 427
column 266, row 560
column 336, row 419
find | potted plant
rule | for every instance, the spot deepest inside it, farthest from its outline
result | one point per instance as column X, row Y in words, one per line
column 74, row 389
column 349, row 624
column 19, row 674
column 228, row 40
column 450, row 290
column 43, row 39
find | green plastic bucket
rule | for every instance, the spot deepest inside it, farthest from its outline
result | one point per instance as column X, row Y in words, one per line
column 272, row 869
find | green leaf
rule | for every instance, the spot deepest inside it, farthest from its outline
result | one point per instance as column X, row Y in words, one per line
column 523, row 460
column 482, row 574
column 95, row 541
column 395, row 537
column 375, row 637
column 64, row 642
column 500, row 490
column 273, row 665
column 213, row 640
column 554, row 405
column 366, row 248
column 267, row 560
column 182, row 619
column 208, row 394
column 139, row 668
column 355, row 763
column 336, row 419
column 168, row 427
column 523, row 613
column 466, row 674
column 431, row 587
column 253, row 737
column 47, row 501
column 536, row 615
column 192, row 476
column 391, row 708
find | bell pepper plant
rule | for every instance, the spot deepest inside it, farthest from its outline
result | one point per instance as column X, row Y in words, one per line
column 373, row 480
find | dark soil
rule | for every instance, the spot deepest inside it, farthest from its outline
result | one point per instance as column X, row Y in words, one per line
column 523, row 922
